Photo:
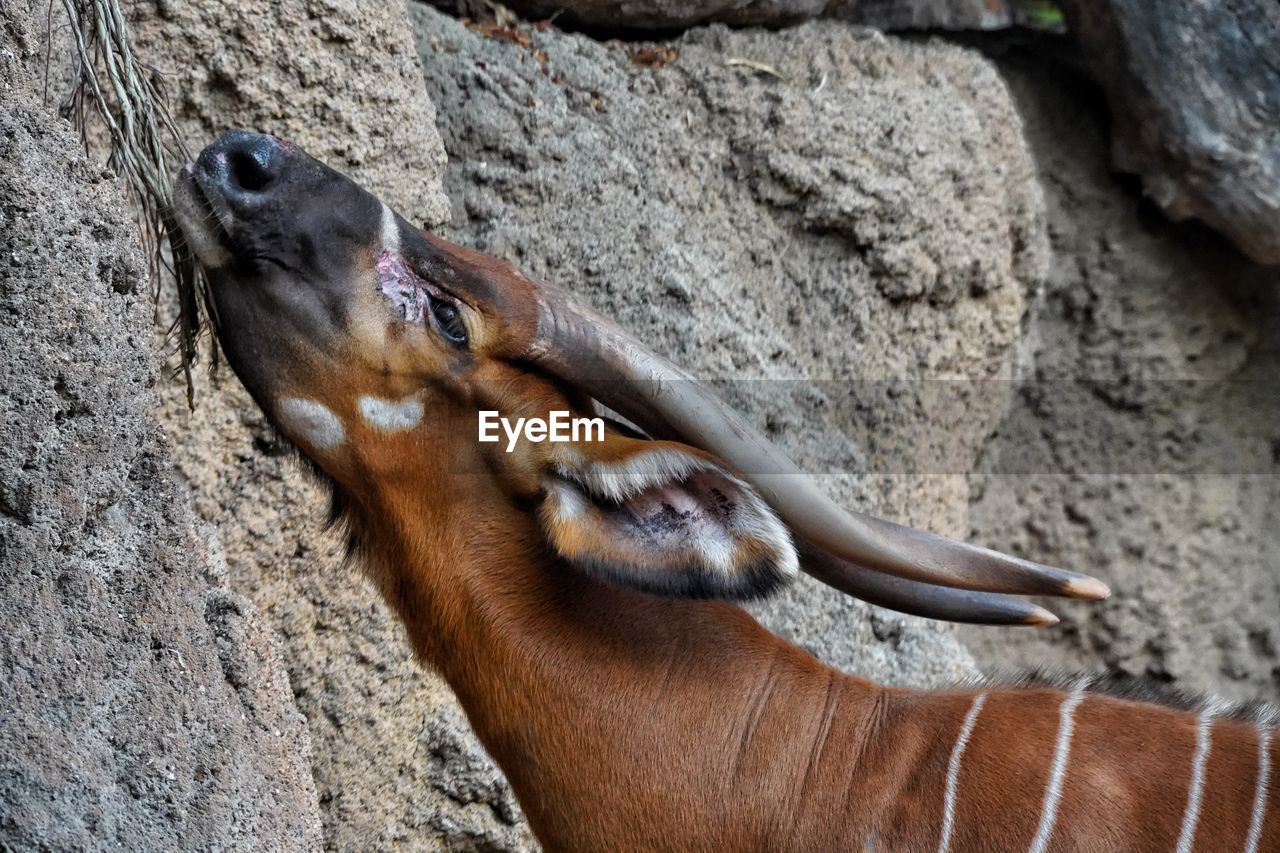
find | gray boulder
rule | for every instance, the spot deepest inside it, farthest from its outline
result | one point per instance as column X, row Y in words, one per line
column 313, row 73
column 938, row 14
column 1195, row 102
column 1193, row 86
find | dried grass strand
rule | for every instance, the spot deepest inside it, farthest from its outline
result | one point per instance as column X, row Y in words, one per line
column 128, row 96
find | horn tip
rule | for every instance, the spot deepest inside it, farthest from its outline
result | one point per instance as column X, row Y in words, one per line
column 1038, row 617
column 1088, row 588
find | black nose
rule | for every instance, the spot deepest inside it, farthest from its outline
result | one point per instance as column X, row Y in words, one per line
column 244, row 167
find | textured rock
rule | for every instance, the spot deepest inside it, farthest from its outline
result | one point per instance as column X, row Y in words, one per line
column 338, row 77
column 1195, row 104
column 935, row 14
column 676, row 14
column 863, row 212
column 661, row 14
column 1143, row 445
column 145, row 706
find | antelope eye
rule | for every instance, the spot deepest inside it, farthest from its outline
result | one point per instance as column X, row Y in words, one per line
column 449, row 321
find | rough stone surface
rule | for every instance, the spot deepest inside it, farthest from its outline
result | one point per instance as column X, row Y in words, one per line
column 678, row 14
column 1144, row 444
column 839, row 217
column 1195, row 105
column 338, row 77
column 657, row 14
column 936, row 14
column 145, row 706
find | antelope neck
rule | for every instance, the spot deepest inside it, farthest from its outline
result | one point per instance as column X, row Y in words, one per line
column 567, row 680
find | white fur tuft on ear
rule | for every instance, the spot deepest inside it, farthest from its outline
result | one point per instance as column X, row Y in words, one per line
column 665, row 519
column 619, row 480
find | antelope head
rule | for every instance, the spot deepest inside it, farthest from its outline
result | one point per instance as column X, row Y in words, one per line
column 374, row 347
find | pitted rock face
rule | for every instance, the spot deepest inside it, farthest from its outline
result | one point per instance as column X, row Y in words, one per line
column 337, row 78
column 146, row 706
column 882, row 14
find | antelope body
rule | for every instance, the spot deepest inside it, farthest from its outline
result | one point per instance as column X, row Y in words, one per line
column 566, row 591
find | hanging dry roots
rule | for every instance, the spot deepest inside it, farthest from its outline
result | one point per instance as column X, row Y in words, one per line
column 128, row 96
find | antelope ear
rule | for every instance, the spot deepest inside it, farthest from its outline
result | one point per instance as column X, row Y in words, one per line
column 665, row 518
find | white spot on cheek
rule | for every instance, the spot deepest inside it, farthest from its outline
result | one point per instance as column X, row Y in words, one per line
column 389, row 415
column 311, row 422
column 390, row 231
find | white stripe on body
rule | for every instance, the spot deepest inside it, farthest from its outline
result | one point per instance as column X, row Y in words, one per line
column 1191, row 815
column 1260, row 790
column 1058, row 771
column 953, row 772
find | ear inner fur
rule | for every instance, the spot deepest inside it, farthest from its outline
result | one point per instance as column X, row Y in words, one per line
column 664, row 518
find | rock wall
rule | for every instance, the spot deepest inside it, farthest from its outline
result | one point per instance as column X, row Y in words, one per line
column 1143, row 442
column 146, row 706
column 1193, row 88
column 666, row 15
column 338, row 77
column 1195, row 102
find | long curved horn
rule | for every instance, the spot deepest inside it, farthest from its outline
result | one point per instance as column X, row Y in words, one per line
column 583, row 347
column 921, row 599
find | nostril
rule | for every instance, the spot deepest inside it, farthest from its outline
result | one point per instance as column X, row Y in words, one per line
column 243, row 169
column 246, row 173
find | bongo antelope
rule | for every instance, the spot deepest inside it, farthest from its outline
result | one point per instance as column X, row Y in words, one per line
column 573, row 593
